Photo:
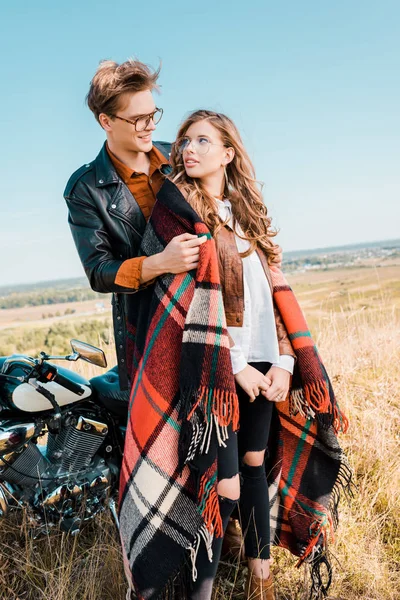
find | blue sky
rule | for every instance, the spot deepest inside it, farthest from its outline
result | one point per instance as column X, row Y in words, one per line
column 313, row 86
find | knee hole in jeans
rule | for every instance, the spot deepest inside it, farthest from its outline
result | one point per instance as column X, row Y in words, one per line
column 229, row 488
column 254, row 458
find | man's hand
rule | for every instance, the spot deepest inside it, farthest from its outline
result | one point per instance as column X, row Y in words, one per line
column 252, row 382
column 279, row 384
column 277, row 260
column 180, row 255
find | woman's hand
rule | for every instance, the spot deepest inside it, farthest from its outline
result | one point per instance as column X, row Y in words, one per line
column 279, row 384
column 253, row 382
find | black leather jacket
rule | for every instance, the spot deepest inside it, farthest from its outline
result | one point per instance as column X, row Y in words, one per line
column 107, row 226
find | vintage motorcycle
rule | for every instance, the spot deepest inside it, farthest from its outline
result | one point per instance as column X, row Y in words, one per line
column 61, row 439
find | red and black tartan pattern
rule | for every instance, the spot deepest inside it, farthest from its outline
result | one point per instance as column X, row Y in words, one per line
column 306, row 468
column 183, row 398
column 179, row 320
column 306, row 471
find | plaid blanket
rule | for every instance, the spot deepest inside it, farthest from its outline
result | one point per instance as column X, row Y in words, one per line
column 311, row 392
column 307, row 469
column 183, row 399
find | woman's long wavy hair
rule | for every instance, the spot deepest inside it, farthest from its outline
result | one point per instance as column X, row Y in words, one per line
column 241, row 186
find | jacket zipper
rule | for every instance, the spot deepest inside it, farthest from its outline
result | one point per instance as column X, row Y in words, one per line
column 125, row 220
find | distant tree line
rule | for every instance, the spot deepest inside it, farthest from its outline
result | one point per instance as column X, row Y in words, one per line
column 56, row 338
column 57, row 284
column 50, row 315
column 46, row 297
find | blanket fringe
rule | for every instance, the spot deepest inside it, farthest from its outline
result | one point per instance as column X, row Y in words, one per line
column 209, row 505
column 211, row 408
column 313, row 401
column 317, row 396
column 318, row 533
column 343, row 485
column 195, row 439
column 340, row 421
column 321, row 582
column 330, row 522
column 298, row 404
column 223, row 404
column 179, row 583
column 203, row 535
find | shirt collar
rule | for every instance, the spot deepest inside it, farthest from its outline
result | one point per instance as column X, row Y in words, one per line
column 224, row 208
column 157, row 161
column 224, row 202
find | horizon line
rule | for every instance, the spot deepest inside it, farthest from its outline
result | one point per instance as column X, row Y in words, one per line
column 285, row 253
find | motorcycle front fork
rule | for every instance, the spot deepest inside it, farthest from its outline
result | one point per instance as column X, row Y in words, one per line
column 113, row 510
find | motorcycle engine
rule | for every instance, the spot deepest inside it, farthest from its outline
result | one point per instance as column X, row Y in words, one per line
column 59, row 478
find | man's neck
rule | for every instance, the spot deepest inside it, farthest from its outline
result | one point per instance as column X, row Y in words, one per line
column 137, row 161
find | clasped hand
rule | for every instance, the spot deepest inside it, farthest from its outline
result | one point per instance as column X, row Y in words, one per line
column 274, row 385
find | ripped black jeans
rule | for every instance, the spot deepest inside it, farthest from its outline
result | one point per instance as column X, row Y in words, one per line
column 254, row 512
column 253, row 507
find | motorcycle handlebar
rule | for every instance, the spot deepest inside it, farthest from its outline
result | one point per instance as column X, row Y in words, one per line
column 73, row 387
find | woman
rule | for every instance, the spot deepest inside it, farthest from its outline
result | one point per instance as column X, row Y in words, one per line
column 217, row 180
column 208, row 348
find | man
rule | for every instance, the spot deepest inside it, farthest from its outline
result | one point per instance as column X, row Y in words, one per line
column 111, row 198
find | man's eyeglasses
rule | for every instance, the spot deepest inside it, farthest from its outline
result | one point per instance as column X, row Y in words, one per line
column 142, row 122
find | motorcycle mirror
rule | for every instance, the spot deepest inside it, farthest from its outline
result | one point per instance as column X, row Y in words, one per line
column 90, row 353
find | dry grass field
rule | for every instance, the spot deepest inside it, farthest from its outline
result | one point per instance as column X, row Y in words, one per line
column 42, row 316
column 354, row 315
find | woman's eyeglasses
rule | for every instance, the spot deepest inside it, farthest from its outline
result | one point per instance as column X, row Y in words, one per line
column 142, row 122
column 200, row 145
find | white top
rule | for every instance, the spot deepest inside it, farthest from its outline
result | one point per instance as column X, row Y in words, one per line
column 256, row 340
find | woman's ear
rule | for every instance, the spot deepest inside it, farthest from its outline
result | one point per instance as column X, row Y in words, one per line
column 229, row 156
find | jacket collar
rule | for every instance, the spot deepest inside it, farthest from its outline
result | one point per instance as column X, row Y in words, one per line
column 105, row 170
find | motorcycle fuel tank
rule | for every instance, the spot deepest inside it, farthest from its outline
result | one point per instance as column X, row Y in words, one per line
column 25, row 398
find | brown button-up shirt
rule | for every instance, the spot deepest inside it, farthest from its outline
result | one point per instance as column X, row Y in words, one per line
column 144, row 188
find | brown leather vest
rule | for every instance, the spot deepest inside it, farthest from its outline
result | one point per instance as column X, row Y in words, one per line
column 231, row 276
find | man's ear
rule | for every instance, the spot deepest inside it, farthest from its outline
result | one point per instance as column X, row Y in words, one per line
column 105, row 121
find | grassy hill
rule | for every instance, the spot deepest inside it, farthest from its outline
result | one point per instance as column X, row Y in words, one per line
column 355, row 318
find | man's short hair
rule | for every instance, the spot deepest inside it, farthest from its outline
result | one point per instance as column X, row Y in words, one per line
column 112, row 80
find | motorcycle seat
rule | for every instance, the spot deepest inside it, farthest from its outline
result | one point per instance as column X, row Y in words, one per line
column 109, row 394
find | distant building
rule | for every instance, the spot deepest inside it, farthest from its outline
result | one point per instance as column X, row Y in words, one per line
column 99, row 307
